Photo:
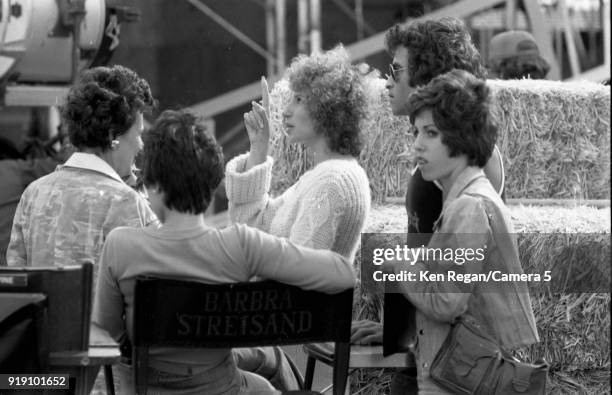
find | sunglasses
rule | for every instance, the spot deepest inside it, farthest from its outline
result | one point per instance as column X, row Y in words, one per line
column 393, row 71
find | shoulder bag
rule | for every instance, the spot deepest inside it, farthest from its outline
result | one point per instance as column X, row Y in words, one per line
column 471, row 363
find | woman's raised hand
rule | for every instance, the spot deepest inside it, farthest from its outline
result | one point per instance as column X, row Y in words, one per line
column 258, row 127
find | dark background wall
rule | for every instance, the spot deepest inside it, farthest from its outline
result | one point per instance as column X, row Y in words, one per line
column 188, row 58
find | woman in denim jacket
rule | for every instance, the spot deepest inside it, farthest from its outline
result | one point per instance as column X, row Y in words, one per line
column 473, row 235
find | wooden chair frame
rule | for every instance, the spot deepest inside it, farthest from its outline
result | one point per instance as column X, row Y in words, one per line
column 68, row 319
column 60, row 285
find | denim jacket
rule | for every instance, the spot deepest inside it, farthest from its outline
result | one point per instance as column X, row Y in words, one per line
column 473, row 216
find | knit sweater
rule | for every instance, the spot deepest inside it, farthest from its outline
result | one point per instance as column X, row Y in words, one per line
column 325, row 209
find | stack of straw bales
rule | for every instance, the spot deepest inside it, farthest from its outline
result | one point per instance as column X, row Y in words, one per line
column 554, row 137
column 574, row 327
column 555, row 140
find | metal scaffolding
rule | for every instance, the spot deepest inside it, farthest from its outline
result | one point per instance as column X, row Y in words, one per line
column 309, row 37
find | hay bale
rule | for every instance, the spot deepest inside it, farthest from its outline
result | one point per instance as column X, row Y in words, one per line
column 588, row 382
column 554, row 136
column 391, row 218
column 578, row 219
column 371, row 381
column 574, row 331
column 574, row 327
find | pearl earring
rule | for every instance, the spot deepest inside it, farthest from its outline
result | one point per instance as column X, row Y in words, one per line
column 114, row 144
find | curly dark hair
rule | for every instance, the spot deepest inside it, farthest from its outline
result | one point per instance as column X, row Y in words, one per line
column 335, row 97
column 103, row 104
column 521, row 66
column 182, row 159
column 459, row 104
column 435, row 47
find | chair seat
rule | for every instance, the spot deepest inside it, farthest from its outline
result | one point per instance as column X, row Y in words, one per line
column 360, row 356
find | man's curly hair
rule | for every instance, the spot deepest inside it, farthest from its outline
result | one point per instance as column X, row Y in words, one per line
column 103, row 104
column 459, row 104
column 435, row 47
column 184, row 160
column 521, row 66
column 335, row 97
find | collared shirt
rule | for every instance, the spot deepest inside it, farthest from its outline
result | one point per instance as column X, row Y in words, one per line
column 64, row 217
column 473, row 216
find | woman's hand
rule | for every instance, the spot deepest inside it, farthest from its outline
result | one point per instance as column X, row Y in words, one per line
column 366, row 332
column 258, row 128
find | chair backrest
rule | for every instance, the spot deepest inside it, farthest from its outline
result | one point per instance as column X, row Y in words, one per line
column 23, row 333
column 169, row 312
column 69, row 294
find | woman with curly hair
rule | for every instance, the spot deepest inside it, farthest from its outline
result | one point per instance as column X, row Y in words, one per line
column 64, row 217
column 455, row 138
column 326, row 208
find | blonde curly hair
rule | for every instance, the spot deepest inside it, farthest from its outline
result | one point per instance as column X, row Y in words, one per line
column 335, row 96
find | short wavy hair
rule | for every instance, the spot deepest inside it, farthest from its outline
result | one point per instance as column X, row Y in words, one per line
column 459, row 103
column 435, row 47
column 103, row 104
column 335, row 97
column 184, row 160
column 521, row 66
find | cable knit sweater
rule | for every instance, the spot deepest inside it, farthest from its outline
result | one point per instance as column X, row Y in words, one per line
column 325, row 209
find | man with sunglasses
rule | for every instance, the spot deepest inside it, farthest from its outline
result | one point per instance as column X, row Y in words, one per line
column 422, row 51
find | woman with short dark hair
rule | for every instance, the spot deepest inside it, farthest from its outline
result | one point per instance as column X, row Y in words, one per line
column 183, row 165
column 455, row 136
column 64, row 217
column 458, row 106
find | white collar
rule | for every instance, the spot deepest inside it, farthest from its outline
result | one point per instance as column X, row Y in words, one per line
column 92, row 162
